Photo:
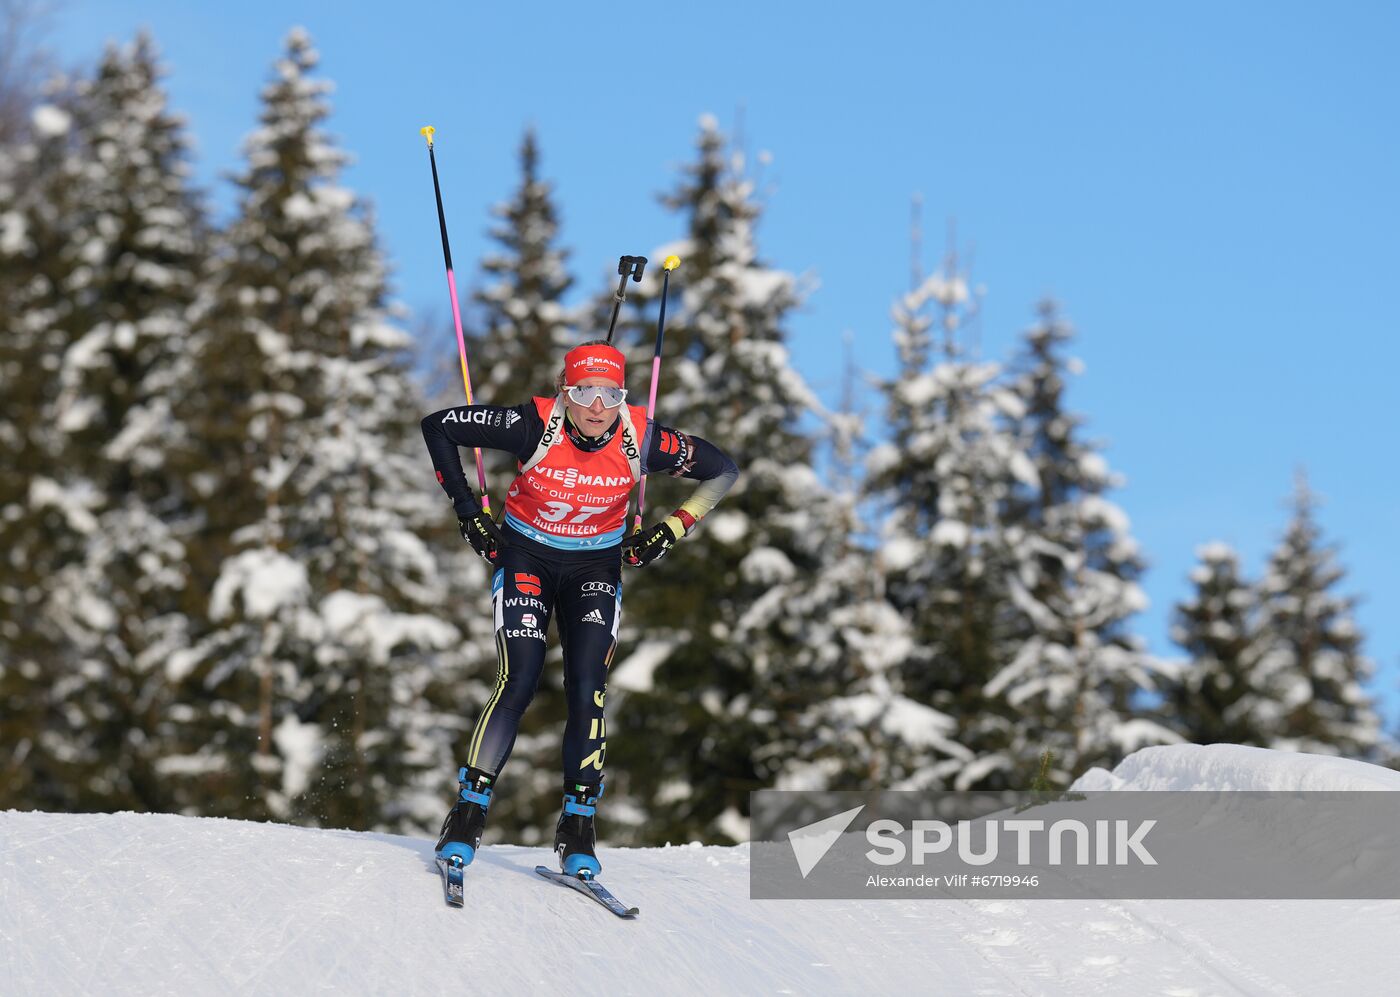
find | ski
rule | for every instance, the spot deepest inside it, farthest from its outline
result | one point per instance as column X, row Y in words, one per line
column 590, row 888
column 451, row 870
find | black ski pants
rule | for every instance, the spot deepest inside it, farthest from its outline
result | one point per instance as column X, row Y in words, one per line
column 583, row 592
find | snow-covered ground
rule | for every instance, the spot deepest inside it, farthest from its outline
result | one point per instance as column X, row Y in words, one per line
column 157, row 904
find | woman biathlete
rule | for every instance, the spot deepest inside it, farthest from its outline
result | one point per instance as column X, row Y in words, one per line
column 559, row 554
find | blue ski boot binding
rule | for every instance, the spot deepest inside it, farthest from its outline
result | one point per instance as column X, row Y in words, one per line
column 461, row 831
column 574, row 838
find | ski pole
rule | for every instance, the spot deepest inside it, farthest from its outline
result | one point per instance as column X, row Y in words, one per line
column 627, row 266
column 671, row 263
column 427, row 132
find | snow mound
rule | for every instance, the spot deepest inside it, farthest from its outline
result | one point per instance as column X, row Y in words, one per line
column 1236, row 767
column 161, row 904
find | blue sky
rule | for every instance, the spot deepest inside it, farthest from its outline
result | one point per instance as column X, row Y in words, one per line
column 1209, row 189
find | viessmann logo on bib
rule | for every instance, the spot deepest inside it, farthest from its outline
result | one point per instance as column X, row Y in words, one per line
column 572, row 477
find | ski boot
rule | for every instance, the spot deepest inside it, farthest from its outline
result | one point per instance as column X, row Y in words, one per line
column 574, row 839
column 461, row 831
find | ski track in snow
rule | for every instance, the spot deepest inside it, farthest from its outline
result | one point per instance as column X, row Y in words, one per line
column 159, row 904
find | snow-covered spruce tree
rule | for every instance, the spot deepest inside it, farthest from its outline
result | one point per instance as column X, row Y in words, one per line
column 859, row 729
column 854, row 726
column 1213, row 698
column 945, row 480
column 523, row 325
column 692, row 717
column 1073, row 686
column 41, row 527
column 313, row 681
column 1312, row 664
column 105, row 244
column 135, row 250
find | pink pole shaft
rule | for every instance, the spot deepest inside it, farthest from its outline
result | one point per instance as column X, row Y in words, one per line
column 651, row 411
column 467, row 383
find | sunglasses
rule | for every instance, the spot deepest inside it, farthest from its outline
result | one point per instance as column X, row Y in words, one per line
column 612, row 397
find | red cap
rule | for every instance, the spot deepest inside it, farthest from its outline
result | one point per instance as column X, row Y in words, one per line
column 583, row 362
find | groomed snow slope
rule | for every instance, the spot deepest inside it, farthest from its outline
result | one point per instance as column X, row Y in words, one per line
column 155, row 904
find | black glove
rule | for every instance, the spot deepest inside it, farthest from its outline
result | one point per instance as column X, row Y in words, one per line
column 481, row 531
column 641, row 548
